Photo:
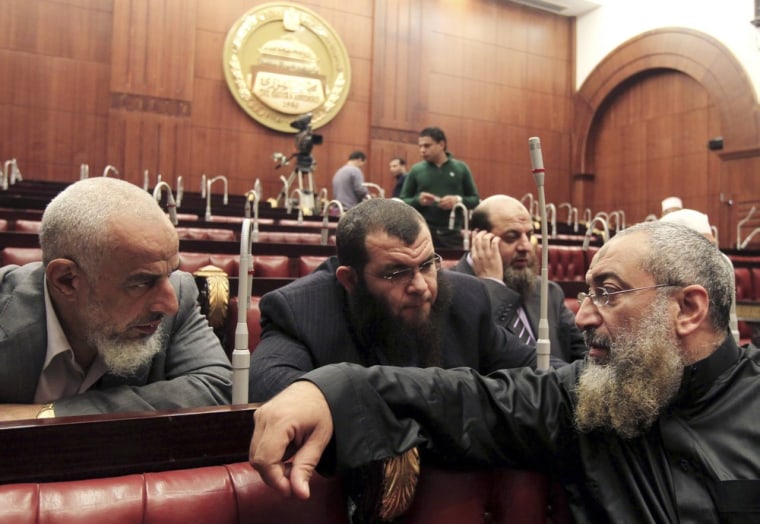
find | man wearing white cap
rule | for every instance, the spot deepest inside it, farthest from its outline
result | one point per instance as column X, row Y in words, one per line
column 671, row 204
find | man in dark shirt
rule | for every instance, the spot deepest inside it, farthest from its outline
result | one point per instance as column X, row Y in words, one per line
column 397, row 168
column 658, row 424
column 383, row 300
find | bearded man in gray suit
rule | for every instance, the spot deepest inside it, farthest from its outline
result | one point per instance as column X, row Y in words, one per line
column 106, row 322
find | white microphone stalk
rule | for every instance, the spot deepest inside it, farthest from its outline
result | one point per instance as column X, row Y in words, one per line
column 543, row 344
column 241, row 355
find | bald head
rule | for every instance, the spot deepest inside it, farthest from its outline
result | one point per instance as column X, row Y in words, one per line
column 499, row 209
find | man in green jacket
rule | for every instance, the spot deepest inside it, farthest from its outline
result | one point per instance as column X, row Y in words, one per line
column 437, row 184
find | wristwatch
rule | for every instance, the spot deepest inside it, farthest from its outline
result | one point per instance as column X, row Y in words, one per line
column 46, row 411
column 459, row 199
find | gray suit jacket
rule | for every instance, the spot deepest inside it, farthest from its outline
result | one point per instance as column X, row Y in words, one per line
column 190, row 370
column 565, row 339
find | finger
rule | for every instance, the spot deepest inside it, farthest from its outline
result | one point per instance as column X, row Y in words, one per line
column 265, row 455
column 306, row 459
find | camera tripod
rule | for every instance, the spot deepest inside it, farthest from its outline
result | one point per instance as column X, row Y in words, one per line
column 306, row 202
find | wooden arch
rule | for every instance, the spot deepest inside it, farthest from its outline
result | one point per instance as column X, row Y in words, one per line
column 691, row 52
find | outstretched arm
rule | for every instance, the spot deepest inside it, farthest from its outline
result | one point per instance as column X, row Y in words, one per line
column 290, row 433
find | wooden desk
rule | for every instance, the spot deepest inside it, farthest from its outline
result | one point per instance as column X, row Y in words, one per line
column 71, row 448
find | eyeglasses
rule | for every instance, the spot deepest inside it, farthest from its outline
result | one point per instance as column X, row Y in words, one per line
column 406, row 275
column 602, row 297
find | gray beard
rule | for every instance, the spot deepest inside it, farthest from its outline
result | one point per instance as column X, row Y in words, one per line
column 521, row 281
column 124, row 358
column 641, row 376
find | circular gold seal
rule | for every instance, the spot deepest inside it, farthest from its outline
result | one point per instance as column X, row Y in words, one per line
column 281, row 61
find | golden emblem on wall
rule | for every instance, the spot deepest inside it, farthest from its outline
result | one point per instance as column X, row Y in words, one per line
column 282, row 60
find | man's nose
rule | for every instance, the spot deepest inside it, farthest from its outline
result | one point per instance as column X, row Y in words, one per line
column 417, row 283
column 588, row 314
column 166, row 299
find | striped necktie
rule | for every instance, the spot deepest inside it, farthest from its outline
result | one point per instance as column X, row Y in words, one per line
column 521, row 329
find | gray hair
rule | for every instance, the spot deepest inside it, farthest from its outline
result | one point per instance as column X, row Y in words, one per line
column 679, row 255
column 77, row 223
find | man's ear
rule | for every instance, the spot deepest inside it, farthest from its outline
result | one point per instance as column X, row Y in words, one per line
column 347, row 277
column 64, row 277
column 693, row 305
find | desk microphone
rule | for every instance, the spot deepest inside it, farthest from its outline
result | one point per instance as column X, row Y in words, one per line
column 241, row 355
column 543, row 344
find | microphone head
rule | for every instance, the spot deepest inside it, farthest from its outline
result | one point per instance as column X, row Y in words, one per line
column 536, row 159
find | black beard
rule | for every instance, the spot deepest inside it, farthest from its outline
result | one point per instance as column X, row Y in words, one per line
column 385, row 339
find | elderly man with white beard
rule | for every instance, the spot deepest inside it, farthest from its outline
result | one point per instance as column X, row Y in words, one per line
column 658, row 424
column 105, row 323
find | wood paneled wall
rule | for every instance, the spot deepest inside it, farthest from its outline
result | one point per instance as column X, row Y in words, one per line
column 139, row 84
column 490, row 74
column 643, row 119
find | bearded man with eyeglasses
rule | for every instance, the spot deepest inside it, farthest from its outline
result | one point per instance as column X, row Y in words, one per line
column 383, row 300
column 658, row 424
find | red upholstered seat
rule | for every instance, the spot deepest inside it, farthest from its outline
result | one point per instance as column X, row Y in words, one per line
column 192, row 262
column 222, row 494
column 744, row 287
column 253, row 322
column 565, row 262
column 307, row 264
column 20, row 255
column 200, row 233
column 755, row 271
column 272, row 266
column 27, row 226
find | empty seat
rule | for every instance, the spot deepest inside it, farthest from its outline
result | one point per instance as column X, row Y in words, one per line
column 200, row 233
column 192, row 262
column 20, row 255
column 272, row 266
column 744, row 287
column 27, row 226
column 307, row 264
column 565, row 262
column 253, row 322
column 755, row 271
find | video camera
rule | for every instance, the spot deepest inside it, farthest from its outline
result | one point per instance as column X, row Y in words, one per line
column 306, row 139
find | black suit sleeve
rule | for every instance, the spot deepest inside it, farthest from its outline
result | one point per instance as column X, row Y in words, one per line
column 281, row 356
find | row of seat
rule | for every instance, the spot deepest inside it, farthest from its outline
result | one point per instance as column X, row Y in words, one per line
column 269, row 266
column 200, row 233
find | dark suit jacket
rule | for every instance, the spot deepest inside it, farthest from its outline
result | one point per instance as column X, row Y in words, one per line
column 305, row 325
column 566, row 340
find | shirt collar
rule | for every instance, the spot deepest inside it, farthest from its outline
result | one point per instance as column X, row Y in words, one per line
column 699, row 377
column 56, row 338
